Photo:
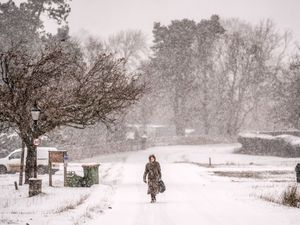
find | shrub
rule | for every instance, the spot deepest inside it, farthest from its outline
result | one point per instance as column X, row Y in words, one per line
column 291, row 196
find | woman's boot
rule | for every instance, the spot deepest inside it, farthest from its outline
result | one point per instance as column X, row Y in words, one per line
column 152, row 198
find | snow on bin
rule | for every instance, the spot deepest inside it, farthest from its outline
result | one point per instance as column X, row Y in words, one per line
column 297, row 169
column 91, row 174
column 35, row 186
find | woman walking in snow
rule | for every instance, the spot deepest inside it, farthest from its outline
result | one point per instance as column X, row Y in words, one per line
column 154, row 176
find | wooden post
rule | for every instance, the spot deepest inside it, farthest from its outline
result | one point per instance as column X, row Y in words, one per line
column 22, row 164
column 66, row 158
column 50, row 174
column 50, row 170
column 16, row 185
column 65, row 175
column 209, row 162
column 35, row 186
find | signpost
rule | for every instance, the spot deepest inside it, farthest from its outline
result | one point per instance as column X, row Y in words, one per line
column 66, row 158
column 57, row 157
column 36, row 142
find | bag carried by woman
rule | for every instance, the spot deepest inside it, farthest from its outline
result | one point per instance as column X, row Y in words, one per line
column 162, row 186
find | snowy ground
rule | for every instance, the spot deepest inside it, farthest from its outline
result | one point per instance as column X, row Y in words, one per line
column 227, row 193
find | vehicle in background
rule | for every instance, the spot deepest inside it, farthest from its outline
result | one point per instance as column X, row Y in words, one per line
column 12, row 162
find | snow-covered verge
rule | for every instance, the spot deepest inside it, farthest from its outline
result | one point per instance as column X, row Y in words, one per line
column 230, row 192
column 58, row 204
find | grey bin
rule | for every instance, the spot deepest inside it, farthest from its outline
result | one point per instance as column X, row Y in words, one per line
column 91, row 174
column 297, row 169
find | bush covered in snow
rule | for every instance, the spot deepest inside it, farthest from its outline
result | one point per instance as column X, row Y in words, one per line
column 284, row 145
column 186, row 140
column 282, row 132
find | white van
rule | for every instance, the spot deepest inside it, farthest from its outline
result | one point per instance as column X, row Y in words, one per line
column 12, row 162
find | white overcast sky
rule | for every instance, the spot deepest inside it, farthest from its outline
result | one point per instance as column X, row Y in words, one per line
column 104, row 17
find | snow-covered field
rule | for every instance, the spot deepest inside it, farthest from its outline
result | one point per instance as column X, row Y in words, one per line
column 227, row 193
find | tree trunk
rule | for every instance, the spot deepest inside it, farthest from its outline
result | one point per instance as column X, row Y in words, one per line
column 179, row 126
column 31, row 166
column 231, row 129
column 179, row 108
column 205, row 118
column 22, row 164
column 205, row 103
column 145, row 117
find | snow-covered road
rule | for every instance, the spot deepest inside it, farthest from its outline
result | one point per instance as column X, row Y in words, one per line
column 229, row 193
column 192, row 196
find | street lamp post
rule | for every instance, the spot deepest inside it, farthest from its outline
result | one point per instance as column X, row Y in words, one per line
column 35, row 114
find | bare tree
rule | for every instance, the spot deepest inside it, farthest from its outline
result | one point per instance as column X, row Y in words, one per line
column 130, row 45
column 142, row 112
column 68, row 92
column 217, row 75
column 93, row 46
column 250, row 59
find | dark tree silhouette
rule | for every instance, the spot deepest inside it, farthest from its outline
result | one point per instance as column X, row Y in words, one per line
column 68, row 92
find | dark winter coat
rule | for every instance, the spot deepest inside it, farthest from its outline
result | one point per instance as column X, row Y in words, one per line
column 153, row 172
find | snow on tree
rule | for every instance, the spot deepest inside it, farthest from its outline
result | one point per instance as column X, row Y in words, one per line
column 207, row 34
column 51, row 71
column 287, row 95
column 130, row 45
column 172, row 60
column 250, row 59
column 217, row 75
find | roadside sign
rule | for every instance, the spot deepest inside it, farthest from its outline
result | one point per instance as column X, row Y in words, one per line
column 36, row 142
column 56, row 156
column 66, row 158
